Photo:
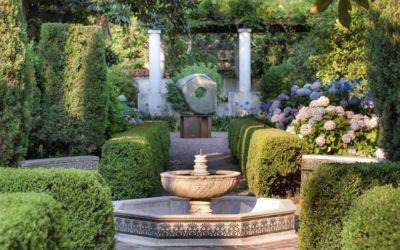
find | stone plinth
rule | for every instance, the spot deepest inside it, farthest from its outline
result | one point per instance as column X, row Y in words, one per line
column 87, row 162
column 310, row 163
column 236, row 220
column 195, row 126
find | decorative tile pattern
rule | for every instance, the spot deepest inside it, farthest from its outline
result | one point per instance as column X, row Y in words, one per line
column 196, row 230
column 78, row 162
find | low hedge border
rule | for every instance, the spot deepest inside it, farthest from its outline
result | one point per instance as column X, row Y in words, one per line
column 31, row 221
column 132, row 161
column 269, row 158
column 328, row 194
column 373, row 221
column 84, row 197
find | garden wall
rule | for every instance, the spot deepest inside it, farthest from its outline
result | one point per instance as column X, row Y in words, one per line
column 259, row 150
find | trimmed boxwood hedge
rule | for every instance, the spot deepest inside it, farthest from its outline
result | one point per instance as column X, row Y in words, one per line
column 373, row 221
column 84, row 197
column 16, row 83
column 31, row 221
column 72, row 77
column 328, row 195
column 269, row 158
column 132, row 161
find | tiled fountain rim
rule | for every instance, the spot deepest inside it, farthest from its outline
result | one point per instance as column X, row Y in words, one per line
column 287, row 208
column 199, row 230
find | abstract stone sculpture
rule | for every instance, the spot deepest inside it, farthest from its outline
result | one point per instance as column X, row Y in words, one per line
column 199, row 93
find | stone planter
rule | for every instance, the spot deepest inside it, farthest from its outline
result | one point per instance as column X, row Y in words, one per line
column 310, row 162
column 85, row 162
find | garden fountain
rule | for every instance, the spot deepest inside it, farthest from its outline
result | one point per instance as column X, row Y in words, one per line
column 200, row 214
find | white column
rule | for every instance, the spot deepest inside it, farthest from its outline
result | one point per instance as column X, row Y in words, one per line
column 244, row 60
column 154, row 97
column 154, row 61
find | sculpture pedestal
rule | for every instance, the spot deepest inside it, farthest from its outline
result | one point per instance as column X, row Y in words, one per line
column 195, row 126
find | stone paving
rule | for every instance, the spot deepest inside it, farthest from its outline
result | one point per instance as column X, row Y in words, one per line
column 216, row 148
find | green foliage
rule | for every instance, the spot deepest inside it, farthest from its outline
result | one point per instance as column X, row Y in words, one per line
column 372, row 221
column 344, row 9
column 132, row 161
column 129, row 45
column 278, row 79
column 83, row 195
column 74, row 90
column 259, row 150
column 172, row 121
column 16, row 81
column 220, row 123
column 346, row 56
column 383, row 51
column 328, row 195
column 123, row 82
column 31, row 221
column 173, row 95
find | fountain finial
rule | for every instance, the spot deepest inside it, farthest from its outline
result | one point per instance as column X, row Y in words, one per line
column 200, row 164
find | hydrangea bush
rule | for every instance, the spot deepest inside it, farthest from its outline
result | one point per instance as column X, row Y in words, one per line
column 333, row 119
column 349, row 95
column 329, row 129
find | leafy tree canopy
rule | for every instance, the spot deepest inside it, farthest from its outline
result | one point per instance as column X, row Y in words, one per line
column 344, row 8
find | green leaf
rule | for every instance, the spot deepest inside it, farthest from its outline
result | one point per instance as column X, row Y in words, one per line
column 363, row 3
column 343, row 11
column 319, row 6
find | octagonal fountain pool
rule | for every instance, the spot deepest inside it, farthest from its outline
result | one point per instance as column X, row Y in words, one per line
column 202, row 215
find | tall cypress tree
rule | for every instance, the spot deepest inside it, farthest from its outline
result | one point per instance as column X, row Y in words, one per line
column 383, row 53
column 16, row 76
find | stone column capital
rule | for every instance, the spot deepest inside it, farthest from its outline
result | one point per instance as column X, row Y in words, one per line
column 154, row 31
column 244, row 30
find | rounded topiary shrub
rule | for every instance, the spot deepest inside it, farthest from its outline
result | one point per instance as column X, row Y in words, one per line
column 31, row 221
column 373, row 221
column 173, row 95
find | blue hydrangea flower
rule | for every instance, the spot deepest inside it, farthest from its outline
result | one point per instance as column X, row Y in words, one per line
column 333, row 90
column 316, row 85
column 315, row 95
column 353, row 100
column 283, row 97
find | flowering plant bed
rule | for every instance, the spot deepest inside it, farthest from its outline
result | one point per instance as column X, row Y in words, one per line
column 334, row 119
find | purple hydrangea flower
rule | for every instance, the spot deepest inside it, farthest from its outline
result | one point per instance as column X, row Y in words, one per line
column 293, row 89
column 316, row 85
column 353, row 100
column 303, row 92
column 343, row 103
column 307, row 86
column 283, row 97
column 333, row 90
column 315, row 95
column 265, row 105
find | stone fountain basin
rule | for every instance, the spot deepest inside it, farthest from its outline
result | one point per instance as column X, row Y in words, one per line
column 183, row 183
column 236, row 220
